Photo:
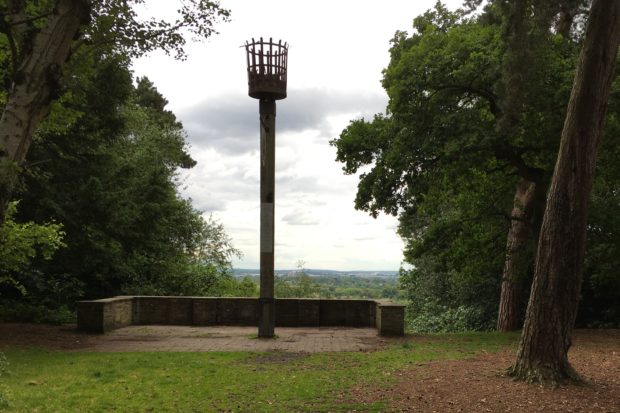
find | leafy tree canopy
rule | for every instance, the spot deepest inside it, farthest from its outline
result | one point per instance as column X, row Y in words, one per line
column 111, row 178
column 38, row 38
column 448, row 152
column 21, row 244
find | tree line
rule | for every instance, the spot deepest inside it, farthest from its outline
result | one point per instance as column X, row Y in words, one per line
column 89, row 162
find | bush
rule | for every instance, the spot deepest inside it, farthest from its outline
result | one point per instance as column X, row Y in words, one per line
column 234, row 287
column 26, row 312
column 21, row 243
column 437, row 318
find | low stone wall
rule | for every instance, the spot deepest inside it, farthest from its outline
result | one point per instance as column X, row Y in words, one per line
column 101, row 316
column 390, row 319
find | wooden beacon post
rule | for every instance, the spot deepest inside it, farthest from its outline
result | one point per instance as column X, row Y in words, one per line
column 267, row 64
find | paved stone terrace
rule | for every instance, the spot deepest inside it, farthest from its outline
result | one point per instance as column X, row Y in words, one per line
column 186, row 338
column 167, row 338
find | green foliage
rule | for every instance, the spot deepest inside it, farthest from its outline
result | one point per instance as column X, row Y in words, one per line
column 226, row 381
column 300, row 285
column 233, row 287
column 114, row 27
column 436, row 318
column 328, row 286
column 27, row 310
column 600, row 302
column 104, row 162
column 111, row 178
column 472, row 109
column 20, row 244
column 89, row 31
column 358, row 287
column 115, row 24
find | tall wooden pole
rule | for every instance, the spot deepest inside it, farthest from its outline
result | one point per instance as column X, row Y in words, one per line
column 267, row 62
column 267, row 110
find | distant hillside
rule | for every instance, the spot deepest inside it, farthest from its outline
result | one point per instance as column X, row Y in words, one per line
column 242, row 272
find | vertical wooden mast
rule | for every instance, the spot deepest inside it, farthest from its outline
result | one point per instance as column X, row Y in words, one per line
column 267, row 77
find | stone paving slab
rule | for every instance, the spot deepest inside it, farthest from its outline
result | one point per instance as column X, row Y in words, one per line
column 182, row 338
column 189, row 338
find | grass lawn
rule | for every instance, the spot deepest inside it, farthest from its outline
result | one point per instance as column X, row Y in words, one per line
column 41, row 381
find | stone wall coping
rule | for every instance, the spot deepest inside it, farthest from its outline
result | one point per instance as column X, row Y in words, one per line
column 109, row 300
column 380, row 304
column 170, row 296
column 131, row 297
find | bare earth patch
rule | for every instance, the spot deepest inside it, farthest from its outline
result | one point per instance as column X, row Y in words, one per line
column 480, row 384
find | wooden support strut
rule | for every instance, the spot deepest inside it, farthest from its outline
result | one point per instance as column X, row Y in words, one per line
column 267, row 197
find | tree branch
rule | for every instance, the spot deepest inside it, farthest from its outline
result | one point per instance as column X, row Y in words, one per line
column 508, row 153
column 5, row 27
column 486, row 94
column 30, row 20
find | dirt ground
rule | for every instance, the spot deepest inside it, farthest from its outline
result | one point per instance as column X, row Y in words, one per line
column 481, row 385
column 472, row 385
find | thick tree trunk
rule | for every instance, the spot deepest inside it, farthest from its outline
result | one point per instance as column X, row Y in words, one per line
column 546, row 338
column 34, row 86
column 517, row 257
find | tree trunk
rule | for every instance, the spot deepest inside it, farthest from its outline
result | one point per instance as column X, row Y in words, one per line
column 546, row 338
column 35, row 82
column 517, row 257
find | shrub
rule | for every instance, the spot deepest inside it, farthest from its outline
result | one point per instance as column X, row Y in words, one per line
column 437, row 318
column 27, row 312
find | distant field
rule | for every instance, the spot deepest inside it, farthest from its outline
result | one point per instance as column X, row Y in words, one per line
column 240, row 272
column 333, row 284
column 45, row 381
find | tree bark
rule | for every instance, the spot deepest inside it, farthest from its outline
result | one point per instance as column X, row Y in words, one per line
column 550, row 317
column 34, row 85
column 517, row 257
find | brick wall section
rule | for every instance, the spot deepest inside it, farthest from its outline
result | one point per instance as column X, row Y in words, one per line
column 308, row 312
column 237, row 311
column 163, row 310
column 105, row 315
column 100, row 316
column 298, row 312
column 390, row 319
column 350, row 313
column 204, row 311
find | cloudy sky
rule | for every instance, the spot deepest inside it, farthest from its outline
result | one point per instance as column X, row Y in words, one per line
column 338, row 49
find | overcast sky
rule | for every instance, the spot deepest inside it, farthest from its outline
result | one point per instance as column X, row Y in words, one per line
column 338, row 49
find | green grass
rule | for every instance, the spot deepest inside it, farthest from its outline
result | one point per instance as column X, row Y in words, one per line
column 197, row 382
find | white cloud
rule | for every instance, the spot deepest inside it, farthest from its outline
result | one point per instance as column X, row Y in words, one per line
column 338, row 50
column 230, row 122
column 299, row 216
